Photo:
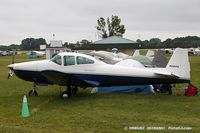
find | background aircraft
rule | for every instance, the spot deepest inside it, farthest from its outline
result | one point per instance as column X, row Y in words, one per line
column 34, row 54
column 150, row 60
column 197, row 51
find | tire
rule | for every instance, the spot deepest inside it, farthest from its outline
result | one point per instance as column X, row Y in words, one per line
column 65, row 94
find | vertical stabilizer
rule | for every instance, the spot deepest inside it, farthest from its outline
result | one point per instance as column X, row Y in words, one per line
column 150, row 54
column 159, row 59
column 136, row 53
column 179, row 63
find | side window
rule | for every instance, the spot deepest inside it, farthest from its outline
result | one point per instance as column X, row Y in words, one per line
column 83, row 60
column 69, row 60
column 57, row 59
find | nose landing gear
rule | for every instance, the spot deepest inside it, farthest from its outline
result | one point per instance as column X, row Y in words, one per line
column 33, row 92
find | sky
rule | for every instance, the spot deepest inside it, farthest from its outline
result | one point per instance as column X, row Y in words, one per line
column 74, row 20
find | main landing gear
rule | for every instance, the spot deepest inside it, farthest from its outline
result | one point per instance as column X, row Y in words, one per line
column 70, row 90
column 33, row 92
column 68, row 93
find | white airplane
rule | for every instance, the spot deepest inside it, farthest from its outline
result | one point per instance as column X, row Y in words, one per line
column 113, row 58
column 151, row 59
column 107, row 57
column 136, row 52
column 74, row 69
column 40, row 53
column 150, row 54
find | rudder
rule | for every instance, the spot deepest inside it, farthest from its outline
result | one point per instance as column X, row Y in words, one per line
column 179, row 63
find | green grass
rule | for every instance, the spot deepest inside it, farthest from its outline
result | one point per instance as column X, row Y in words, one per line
column 90, row 113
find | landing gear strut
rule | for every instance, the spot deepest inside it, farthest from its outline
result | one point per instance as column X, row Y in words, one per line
column 70, row 90
column 33, row 92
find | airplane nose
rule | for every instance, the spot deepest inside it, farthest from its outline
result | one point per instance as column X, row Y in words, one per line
column 11, row 66
column 24, row 66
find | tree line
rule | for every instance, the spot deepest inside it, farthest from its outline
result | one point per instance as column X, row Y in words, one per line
column 26, row 44
column 183, row 42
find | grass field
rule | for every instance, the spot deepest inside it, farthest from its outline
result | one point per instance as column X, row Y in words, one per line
column 88, row 113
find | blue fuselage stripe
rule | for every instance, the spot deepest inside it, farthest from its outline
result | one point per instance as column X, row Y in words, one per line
column 99, row 80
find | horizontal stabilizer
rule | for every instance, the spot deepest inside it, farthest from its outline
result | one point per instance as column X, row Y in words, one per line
column 166, row 74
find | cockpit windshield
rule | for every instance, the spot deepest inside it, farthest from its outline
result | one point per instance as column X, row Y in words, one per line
column 57, row 59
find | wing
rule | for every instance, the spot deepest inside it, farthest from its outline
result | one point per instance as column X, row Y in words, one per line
column 60, row 78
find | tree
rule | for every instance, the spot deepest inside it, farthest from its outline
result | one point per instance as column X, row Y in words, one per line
column 66, row 44
column 155, row 42
column 111, row 27
column 102, row 27
column 32, row 44
column 10, row 47
column 145, row 44
column 139, row 41
column 85, row 43
column 168, row 43
column 77, row 45
column 71, row 45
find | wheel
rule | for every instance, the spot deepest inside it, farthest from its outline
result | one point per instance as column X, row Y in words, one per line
column 68, row 93
column 32, row 93
column 65, row 94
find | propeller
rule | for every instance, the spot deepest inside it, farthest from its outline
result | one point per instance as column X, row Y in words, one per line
column 11, row 71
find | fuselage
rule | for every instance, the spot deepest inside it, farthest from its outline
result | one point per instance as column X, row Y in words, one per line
column 91, row 71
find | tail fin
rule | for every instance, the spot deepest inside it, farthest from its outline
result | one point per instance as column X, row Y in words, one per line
column 136, row 52
column 159, row 59
column 179, row 63
column 150, row 54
